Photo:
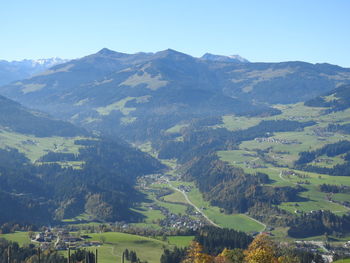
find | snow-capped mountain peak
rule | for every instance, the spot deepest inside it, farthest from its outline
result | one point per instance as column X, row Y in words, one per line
column 221, row 58
column 16, row 70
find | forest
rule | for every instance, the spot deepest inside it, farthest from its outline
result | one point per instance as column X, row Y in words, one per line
column 340, row 101
column 200, row 141
column 261, row 249
column 330, row 150
column 233, row 190
column 318, row 223
column 103, row 187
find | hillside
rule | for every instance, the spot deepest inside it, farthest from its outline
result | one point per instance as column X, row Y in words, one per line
column 212, row 120
column 279, row 169
column 117, row 93
column 52, row 170
column 19, row 119
column 335, row 100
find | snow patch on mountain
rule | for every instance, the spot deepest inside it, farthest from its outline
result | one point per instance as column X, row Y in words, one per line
column 221, row 58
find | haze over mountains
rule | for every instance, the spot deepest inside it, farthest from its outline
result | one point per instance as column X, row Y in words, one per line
column 114, row 92
column 14, row 70
column 178, row 106
column 51, row 170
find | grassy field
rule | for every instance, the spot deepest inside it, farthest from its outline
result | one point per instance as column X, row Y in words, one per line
column 151, row 216
column 77, row 219
column 177, row 128
column 314, row 199
column 343, row 261
column 35, row 147
column 180, row 241
column 21, row 238
column 247, row 157
column 283, row 150
column 175, row 197
column 234, row 123
column 119, row 106
column 176, row 208
column 235, row 221
column 146, row 248
column 115, row 243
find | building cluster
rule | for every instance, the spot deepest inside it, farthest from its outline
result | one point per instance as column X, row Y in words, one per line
column 322, row 132
column 181, row 221
column 289, row 173
column 185, row 188
column 61, row 239
column 253, row 165
column 151, row 179
column 29, row 142
column 192, row 221
column 276, row 140
column 297, row 118
column 327, row 251
column 323, row 160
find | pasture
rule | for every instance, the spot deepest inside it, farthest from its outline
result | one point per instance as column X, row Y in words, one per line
column 278, row 154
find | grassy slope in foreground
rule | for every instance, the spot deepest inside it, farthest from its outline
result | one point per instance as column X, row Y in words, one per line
column 342, row 261
column 146, row 248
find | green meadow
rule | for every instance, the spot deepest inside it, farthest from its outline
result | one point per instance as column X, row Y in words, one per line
column 239, row 222
column 285, row 155
column 35, row 147
column 115, row 243
column 22, row 238
column 347, row 260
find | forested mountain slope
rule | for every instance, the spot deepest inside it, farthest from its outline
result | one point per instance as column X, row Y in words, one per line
column 143, row 94
column 52, row 170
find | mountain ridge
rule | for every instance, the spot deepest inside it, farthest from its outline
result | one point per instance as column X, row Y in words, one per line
column 113, row 91
column 222, row 58
column 15, row 70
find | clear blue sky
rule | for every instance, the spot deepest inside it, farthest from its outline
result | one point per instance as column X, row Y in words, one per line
column 259, row 30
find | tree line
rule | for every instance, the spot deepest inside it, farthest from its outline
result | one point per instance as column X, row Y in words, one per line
column 234, row 190
column 260, row 250
column 330, row 150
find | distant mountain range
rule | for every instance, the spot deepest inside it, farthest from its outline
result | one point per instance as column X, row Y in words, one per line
column 15, row 70
column 220, row 58
column 143, row 94
column 175, row 106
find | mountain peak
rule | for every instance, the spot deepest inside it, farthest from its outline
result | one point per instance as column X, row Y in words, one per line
column 172, row 54
column 106, row 51
column 221, row 58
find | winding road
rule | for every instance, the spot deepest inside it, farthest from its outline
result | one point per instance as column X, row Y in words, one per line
column 202, row 213
column 192, row 204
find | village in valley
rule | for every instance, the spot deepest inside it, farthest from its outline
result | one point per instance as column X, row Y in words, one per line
column 192, row 220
